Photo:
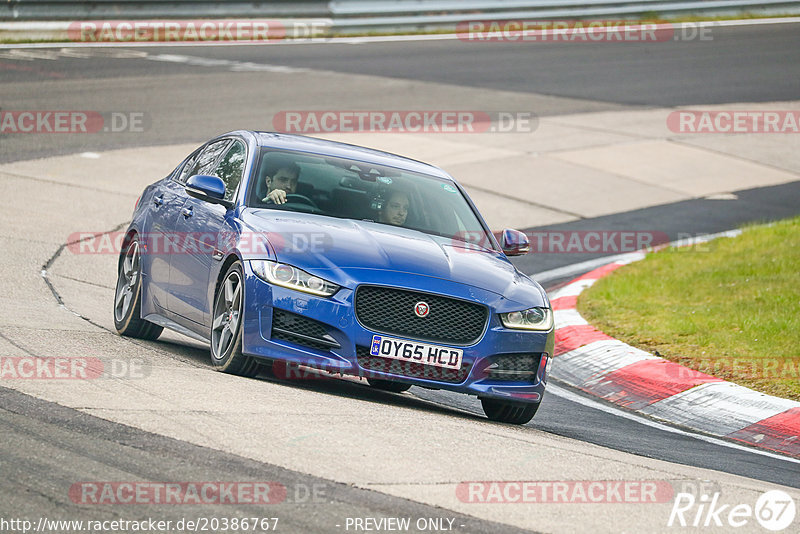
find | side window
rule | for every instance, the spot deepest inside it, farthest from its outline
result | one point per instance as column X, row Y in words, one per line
column 231, row 168
column 188, row 165
column 208, row 157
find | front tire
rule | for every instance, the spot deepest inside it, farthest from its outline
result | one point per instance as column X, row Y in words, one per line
column 515, row 413
column 128, row 297
column 226, row 328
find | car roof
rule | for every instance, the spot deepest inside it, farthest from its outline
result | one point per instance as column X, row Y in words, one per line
column 324, row 147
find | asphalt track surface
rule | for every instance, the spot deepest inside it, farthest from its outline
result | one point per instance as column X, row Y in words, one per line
column 732, row 66
column 183, row 101
column 749, row 64
column 72, row 445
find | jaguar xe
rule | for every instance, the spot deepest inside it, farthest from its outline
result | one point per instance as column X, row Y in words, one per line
column 283, row 249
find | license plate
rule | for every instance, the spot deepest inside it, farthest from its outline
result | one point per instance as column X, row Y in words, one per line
column 411, row 351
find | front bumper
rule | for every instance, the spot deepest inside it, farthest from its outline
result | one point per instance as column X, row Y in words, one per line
column 346, row 342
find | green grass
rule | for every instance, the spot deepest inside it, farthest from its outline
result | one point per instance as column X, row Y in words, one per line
column 730, row 308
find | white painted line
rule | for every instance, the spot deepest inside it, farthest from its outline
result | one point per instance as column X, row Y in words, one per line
column 276, row 42
column 625, row 259
column 238, row 66
column 722, row 196
column 705, row 238
column 757, row 22
column 589, row 403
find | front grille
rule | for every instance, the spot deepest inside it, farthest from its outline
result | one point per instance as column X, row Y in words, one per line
column 514, row 367
column 391, row 311
column 301, row 330
column 409, row 369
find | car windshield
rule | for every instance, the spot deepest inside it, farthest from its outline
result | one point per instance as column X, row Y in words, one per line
column 350, row 189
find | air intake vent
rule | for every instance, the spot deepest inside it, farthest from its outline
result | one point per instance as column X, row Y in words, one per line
column 301, row 330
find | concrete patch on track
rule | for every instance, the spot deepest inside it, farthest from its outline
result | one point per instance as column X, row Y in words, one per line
column 593, row 164
column 778, row 150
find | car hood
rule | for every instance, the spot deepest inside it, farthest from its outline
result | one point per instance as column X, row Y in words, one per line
column 342, row 250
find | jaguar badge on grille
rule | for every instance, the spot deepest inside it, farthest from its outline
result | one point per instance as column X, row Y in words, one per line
column 421, row 309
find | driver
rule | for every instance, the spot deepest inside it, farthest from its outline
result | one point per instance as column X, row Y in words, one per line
column 281, row 182
column 395, row 210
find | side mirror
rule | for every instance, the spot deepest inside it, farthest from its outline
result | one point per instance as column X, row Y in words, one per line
column 207, row 188
column 514, row 243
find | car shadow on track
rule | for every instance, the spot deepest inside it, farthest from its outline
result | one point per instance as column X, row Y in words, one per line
column 197, row 354
column 354, row 388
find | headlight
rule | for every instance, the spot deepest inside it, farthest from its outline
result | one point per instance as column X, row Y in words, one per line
column 530, row 319
column 285, row 275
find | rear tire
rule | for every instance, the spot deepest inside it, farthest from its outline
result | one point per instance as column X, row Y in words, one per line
column 226, row 327
column 515, row 413
column 388, row 385
column 128, row 297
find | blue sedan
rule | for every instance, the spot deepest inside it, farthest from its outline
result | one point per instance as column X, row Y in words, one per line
column 288, row 250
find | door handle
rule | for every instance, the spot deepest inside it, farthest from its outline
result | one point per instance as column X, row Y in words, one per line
column 187, row 212
column 158, row 201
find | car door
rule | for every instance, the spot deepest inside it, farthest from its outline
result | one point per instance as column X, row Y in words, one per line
column 165, row 204
column 199, row 225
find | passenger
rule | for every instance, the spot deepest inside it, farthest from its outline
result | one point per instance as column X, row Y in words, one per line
column 395, row 209
column 281, row 182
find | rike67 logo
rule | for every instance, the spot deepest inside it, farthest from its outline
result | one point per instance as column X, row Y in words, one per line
column 774, row 510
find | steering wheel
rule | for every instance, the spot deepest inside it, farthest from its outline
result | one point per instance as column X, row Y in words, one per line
column 301, row 203
column 294, row 198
